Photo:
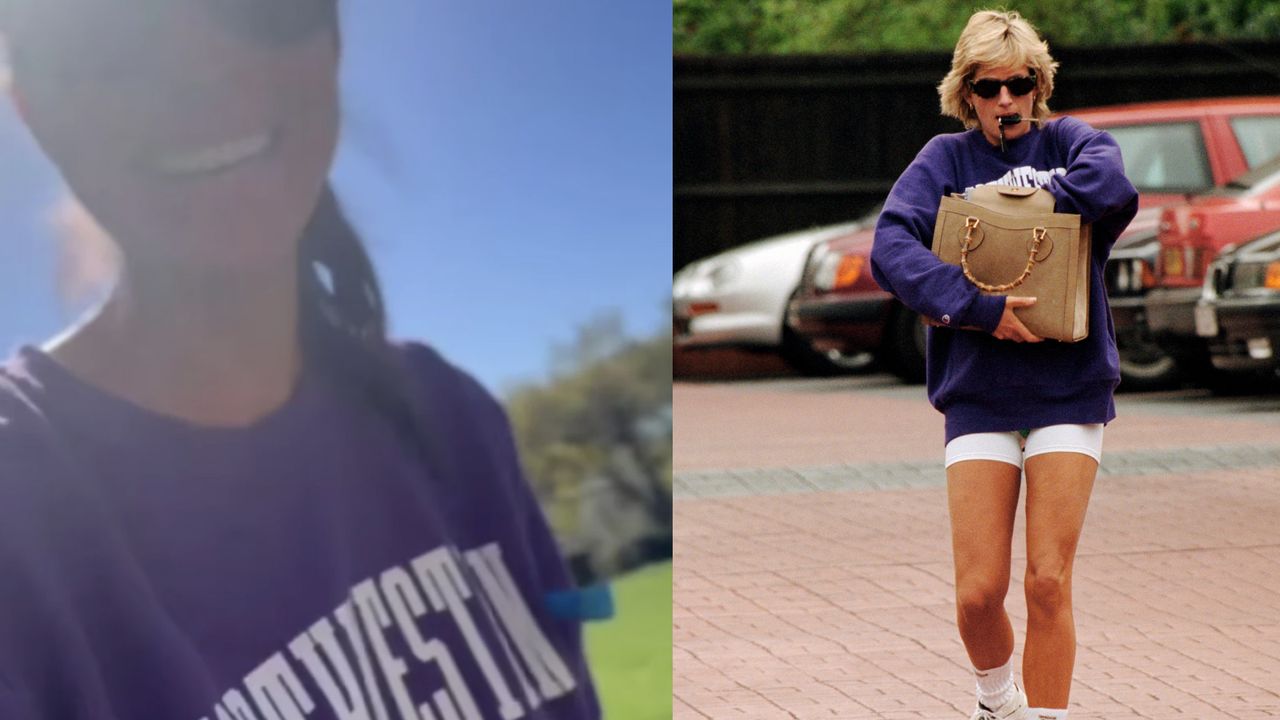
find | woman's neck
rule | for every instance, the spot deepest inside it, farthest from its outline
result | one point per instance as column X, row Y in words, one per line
column 212, row 348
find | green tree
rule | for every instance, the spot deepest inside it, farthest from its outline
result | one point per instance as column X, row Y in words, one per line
column 857, row 26
column 596, row 442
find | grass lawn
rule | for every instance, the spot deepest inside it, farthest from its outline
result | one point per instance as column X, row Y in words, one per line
column 630, row 655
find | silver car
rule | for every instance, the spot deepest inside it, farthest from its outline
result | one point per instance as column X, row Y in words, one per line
column 738, row 298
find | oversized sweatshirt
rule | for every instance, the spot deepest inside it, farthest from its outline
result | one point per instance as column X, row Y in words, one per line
column 308, row 566
column 980, row 383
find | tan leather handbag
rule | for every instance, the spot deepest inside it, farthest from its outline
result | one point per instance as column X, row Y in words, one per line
column 1010, row 242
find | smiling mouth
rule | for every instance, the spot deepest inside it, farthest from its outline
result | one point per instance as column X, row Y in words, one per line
column 214, row 158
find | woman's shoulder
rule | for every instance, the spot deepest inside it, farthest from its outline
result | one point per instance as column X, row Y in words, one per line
column 472, row 434
column 1063, row 122
column 1069, row 128
column 449, row 387
column 946, row 142
column 453, row 402
column 944, row 151
column 18, row 389
column 23, row 423
column 34, row 462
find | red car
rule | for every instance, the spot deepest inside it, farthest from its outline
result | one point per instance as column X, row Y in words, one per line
column 1214, row 140
column 1170, row 149
column 1192, row 235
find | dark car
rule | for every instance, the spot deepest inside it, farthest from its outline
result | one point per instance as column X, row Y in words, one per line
column 1239, row 308
column 1170, row 149
column 839, row 308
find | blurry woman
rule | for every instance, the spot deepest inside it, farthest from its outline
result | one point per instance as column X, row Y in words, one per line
column 226, row 494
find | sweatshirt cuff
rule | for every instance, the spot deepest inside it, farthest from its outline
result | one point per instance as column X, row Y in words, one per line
column 985, row 312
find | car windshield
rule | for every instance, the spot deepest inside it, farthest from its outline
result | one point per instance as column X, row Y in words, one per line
column 1163, row 157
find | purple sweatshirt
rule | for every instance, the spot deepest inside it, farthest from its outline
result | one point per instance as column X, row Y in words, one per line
column 307, row 566
column 979, row 383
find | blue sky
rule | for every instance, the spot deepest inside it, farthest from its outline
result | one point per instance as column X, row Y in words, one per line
column 509, row 165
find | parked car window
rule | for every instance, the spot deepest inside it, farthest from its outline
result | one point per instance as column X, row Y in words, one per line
column 1259, row 137
column 1164, row 157
column 1254, row 181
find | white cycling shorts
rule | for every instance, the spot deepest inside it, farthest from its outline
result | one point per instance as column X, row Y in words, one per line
column 1009, row 447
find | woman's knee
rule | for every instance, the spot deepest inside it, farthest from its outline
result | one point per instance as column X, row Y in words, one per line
column 976, row 599
column 1048, row 588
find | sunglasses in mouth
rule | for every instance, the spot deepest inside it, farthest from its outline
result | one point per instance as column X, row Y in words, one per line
column 1018, row 86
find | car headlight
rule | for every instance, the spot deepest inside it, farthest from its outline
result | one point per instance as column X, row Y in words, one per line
column 837, row 271
column 723, row 272
column 703, row 278
column 1122, row 277
column 817, row 257
column 1129, row 276
column 1252, row 275
column 1173, row 260
column 824, row 278
column 1140, row 275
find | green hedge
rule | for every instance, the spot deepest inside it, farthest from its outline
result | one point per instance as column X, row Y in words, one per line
column 712, row 27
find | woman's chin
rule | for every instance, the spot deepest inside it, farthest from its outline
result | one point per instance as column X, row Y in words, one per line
column 216, row 226
column 233, row 248
column 1010, row 133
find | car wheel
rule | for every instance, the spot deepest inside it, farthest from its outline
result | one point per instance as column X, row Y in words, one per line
column 905, row 345
column 806, row 360
column 1144, row 365
column 1232, row 382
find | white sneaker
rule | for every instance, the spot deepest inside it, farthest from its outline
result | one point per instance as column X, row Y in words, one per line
column 1014, row 709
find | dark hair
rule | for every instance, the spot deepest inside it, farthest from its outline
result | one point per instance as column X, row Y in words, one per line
column 342, row 322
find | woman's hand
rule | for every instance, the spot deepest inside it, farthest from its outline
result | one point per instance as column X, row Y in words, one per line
column 1010, row 327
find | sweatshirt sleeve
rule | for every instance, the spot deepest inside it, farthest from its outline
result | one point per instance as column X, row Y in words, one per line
column 903, row 264
column 547, row 573
column 1094, row 186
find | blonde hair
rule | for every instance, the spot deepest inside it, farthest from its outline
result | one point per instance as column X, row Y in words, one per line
column 996, row 39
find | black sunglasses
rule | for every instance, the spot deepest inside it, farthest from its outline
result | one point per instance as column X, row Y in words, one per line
column 1018, row 86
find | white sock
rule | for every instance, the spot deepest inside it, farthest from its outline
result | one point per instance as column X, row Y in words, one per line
column 995, row 686
column 1045, row 714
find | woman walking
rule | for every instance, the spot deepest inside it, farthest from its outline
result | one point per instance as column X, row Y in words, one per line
column 1012, row 402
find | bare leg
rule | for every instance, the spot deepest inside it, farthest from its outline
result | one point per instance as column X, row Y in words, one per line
column 983, row 498
column 1058, row 489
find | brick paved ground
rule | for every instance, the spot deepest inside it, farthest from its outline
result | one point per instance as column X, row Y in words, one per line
column 813, row 576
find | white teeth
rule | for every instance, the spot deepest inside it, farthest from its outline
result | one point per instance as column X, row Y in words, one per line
column 214, row 157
